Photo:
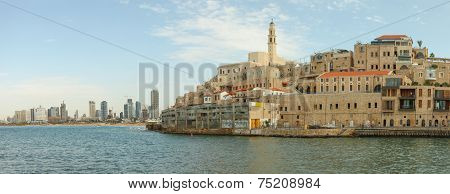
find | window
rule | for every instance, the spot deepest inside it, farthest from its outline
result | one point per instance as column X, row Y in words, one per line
column 376, row 105
column 441, row 74
column 285, row 108
column 367, row 87
column 320, row 106
column 420, row 75
column 343, row 88
column 299, row 108
column 337, row 106
column 420, row 103
column 355, row 105
column 369, row 105
column 429, row 92
column 351, row 88
column 348, row 105
column 420, row 92
column 429, row 104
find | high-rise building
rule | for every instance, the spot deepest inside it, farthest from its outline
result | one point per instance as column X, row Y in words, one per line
column 53, row 112
column 75, row 116
column 130, row 109
column 20, row 116
column 28, row 116
column 103, row 110
column 125, row 111
column 53, row 115
column 40, row 115
column 97, row 114
column 32, row 115
column 63, row 112
column 91, row 109
column 145, row 114
column 138, row 111
column 154, row 101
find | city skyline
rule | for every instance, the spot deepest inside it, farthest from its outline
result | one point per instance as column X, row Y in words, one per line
column 58, row 64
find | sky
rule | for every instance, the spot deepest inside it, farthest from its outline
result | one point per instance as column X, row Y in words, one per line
column 43, row 63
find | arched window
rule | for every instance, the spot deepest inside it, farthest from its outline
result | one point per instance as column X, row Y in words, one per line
column 391, row 122
column 408, row 123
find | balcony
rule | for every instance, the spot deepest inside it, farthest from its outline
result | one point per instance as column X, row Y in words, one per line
column 407, row 94
column 407, row 105
column 441, row 105
column 442, row 95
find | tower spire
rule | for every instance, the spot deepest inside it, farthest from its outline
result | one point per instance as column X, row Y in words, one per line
column 272, row 43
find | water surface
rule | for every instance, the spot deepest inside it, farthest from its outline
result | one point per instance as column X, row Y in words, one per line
column 82, row 149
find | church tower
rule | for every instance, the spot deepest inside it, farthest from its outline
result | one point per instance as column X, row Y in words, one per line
column 272, row 43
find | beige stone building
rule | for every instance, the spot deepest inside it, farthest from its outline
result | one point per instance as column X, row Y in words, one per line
column 385, row 83
column 335, row 60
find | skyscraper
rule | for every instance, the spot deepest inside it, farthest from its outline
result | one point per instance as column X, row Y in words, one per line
column 63, row 112
column 75, row 116
column 154, row 112
column 92, row 109
column 103, row 110
column 138, row 110
column 53, row 112
column 130, row 109
column 53, row 115
column 40, row 114
column 125, row 111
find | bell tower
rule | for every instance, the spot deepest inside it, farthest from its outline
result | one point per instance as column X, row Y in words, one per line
column 272, row 43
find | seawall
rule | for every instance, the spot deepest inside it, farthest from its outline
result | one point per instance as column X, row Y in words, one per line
column 305, row 133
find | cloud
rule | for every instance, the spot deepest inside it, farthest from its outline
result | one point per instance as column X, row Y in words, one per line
column 216, row 31
column 153, row 7
column 330, row 5
column 376, row 19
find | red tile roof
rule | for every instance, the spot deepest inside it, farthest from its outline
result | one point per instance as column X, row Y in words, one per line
column 354, row 73
column 277, row 89
column 391, row 37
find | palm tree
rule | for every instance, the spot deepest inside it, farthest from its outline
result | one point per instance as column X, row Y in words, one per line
column 432, row 55
column 420, row 43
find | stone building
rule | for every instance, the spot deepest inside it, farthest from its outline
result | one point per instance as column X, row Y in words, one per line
column 385, row 83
